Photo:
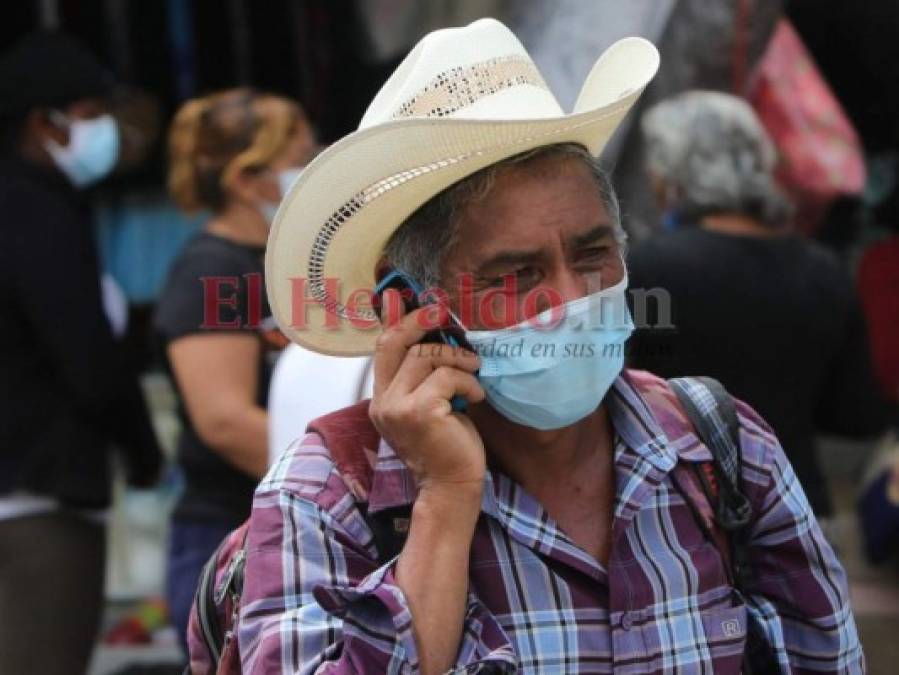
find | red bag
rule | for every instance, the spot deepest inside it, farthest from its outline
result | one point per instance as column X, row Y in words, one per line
column 821, row 157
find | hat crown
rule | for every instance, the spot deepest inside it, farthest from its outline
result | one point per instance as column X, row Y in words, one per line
column 462, row 100
column 479, row 71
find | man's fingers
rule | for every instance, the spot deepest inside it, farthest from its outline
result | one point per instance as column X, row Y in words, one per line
column 399, row 334
column 394, row 340
column 445, row 382
column 422, row 359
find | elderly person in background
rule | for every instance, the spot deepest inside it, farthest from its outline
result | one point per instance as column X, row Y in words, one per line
column 773, row 316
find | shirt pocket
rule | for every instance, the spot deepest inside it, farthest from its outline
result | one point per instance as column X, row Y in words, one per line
column 725, row 633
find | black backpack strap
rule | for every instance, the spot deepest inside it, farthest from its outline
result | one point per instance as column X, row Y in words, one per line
column 207, row 611
column 208, row 598
column 714, row 416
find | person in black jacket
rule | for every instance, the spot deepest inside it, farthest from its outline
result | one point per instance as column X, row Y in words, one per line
column 67, row 394
column 733, row 293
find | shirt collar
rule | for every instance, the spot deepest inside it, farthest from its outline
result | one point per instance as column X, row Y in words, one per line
column 633, row 411
column 392, row 484
column 634, row 415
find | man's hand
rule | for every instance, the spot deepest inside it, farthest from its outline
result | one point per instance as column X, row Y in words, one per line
column 411, row 408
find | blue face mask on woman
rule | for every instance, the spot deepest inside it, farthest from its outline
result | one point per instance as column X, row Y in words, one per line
column 286, row 179
column 92, row 151
column 549, row 378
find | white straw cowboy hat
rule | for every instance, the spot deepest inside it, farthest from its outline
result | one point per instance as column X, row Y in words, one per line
column 463, row 99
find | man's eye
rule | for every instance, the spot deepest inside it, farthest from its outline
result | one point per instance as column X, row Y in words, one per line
column 516, row 281
column 503, row 280
column 593, row 253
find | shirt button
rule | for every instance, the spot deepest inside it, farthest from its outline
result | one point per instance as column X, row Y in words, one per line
column 627, row 620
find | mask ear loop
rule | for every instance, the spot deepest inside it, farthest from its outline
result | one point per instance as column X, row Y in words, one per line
column 455, row 318
column 62, row 122
column 459, row 331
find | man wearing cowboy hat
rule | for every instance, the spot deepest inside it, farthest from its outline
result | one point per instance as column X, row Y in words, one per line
column 547, row 532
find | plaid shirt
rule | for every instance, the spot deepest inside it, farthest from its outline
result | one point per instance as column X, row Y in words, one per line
column 316, row 601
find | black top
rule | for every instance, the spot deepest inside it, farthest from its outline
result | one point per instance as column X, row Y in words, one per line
column 65, row 388
column 215, row 489
column 776, row 320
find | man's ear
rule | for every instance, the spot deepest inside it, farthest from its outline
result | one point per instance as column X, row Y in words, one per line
column 382, row 269
column 39, row 127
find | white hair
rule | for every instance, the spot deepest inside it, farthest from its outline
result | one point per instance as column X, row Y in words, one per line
column 714, row 156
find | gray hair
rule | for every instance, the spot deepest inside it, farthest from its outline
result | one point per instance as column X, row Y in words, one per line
column 712, row 153
column 421, row 244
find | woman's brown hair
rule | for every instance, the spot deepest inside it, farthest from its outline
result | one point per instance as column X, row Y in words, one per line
column 215, row 137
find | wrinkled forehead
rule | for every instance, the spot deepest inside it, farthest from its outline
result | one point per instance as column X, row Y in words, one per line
column 518, row 186
column 528, row 207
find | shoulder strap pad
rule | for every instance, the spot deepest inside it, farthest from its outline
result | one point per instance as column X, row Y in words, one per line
column 352, row 440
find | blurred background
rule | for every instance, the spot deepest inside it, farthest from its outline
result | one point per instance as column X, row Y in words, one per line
column 820, row 75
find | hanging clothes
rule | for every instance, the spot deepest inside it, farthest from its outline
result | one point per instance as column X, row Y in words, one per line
column 181, row 41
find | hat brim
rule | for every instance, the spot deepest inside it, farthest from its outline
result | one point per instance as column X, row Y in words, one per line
column 339, row 215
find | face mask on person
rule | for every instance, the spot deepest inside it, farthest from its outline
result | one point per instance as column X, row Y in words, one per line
column 549, row 378
column 286, row 179
column 92, row 151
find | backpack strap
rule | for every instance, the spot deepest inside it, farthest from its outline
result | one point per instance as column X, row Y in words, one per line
column 207, row 611
column 713, row 414
column 210, row 595
column 352, row 440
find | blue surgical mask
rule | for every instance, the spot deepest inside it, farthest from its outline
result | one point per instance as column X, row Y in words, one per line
column 269, row 210
column 286, row 179
column 92, row 151
column 549, row 378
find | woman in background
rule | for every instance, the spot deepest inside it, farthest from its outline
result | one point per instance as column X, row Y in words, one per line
column 770, row 314
column 232, row 154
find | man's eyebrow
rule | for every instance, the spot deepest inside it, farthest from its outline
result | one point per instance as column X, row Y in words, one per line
column 598, row 232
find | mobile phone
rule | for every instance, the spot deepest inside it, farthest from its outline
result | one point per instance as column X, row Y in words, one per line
column 411, row 293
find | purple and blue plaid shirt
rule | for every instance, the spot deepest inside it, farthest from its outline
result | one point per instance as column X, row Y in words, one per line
column 316, row 600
